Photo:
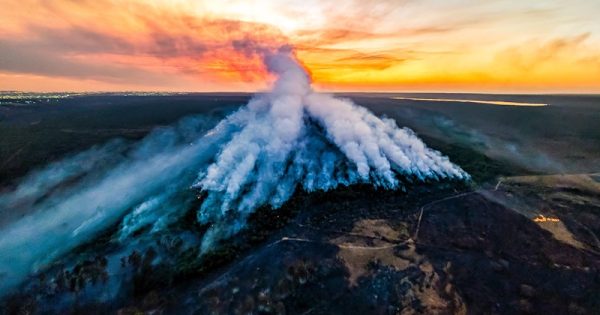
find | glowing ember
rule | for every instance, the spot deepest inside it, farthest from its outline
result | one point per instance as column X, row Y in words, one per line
column 541, row 218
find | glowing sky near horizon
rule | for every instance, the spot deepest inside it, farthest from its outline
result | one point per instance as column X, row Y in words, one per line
column 359, row 45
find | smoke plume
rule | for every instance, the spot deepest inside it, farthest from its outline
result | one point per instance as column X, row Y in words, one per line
column 259, row 155
column 294, row 136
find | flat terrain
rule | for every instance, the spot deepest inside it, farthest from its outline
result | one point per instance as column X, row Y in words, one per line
column 522, row 237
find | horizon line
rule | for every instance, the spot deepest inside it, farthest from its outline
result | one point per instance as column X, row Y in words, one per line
column 318, row 91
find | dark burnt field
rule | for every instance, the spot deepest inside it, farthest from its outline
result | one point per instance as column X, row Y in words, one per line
column 516, row 239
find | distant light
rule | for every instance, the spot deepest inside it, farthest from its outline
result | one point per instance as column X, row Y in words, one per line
column 501, row 103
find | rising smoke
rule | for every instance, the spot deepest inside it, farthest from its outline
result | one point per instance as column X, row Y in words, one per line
column 294, row 136
column 288, row 138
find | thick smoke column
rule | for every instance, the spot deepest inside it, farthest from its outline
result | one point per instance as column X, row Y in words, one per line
column 294, row 136
column 288, row 138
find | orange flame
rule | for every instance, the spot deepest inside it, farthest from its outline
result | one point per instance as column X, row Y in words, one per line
column 542, row 218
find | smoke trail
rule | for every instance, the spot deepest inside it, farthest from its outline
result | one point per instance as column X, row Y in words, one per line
column 62, row 220
column 295, row 136
column 38, row 184
column 257, row 156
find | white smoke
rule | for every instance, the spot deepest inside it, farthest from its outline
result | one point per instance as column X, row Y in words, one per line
column 61, row 219
column 257, row 156
column 292, row 136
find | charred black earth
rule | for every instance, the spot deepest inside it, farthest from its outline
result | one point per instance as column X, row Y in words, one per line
column 520, row 238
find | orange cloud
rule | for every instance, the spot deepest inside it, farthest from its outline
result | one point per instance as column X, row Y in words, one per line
column 354, row 45
column 153, row 41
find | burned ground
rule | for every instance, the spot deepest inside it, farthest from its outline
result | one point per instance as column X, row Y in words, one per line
column 432, row 248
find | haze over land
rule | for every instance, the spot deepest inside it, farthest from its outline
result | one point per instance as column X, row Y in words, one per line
column 131, row 199
column 287, row 139
column 292, row 199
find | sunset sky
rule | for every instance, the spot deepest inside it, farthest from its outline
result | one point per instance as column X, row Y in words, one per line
column 549, row 46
